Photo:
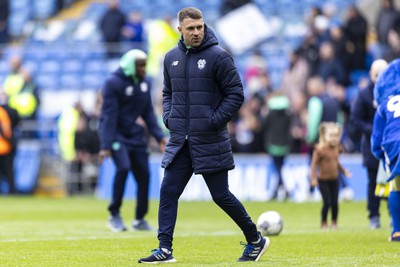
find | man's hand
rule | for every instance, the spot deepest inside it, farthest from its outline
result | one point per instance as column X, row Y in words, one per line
column 162, row 144
column 105, row 153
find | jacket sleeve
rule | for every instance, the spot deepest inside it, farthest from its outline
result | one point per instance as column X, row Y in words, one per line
column 151, row 120
column 167, row 95
column 314, row 163
column 109, row 114
column 314, row 107
column 231, row 87
column 358, row 117
column 377, row 134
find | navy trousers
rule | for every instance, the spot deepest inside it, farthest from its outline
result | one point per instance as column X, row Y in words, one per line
column 133, row 159
column 174, row 182
column 373, row 202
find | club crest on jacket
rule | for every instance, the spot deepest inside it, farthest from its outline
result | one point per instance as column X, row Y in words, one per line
column 129, row 90
column 201, row 64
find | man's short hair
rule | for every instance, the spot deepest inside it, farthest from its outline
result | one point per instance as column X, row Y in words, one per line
column 189, row 12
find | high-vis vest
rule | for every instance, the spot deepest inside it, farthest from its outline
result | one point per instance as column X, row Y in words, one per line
column 5, row 132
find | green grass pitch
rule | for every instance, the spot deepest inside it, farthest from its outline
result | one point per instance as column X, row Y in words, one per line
column 73, row 232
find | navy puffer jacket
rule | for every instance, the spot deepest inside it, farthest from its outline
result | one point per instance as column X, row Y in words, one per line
column 123, row 102
column 202, row 91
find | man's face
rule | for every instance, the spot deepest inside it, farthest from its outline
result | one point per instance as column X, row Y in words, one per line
column 140, row 65
column 192, row 31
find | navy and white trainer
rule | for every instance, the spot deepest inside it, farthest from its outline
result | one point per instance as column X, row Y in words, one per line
column 254, row 251
column 160, row 255
column 116, row 224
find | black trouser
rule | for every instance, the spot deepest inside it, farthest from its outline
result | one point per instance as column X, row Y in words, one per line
column 373, row 202
column 175, row 180
column 330, row 192
column 136, row 160
column 7, row 170
column 278, row 164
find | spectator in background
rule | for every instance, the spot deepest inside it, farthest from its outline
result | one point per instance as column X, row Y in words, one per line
column 294, row 78
column 313, row 13
column 277, row 138
column 362, row 116
column 22, row 92
column 356, row 30
column 127, row 108
column 299, row 123
column 67, row 124
column 309, row 51
column 133, row 30
column 86, row 146
column 4, row 14
column 8, row 121
column 341, row 47
column 325, row 169
column 111, row 26
column 387, row 16
column 321, row 107
column 329, row 66
column 27, row 101
column 248, row 127
column 393, row 51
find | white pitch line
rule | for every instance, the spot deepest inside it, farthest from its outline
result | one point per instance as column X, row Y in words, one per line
column 121, row 235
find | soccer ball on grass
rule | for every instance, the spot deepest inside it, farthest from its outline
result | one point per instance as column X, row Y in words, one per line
column 270, row 223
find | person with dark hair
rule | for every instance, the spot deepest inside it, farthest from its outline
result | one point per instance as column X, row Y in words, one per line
column 388, row 14
column 126, row 110
column 112, row 24
column 202, row 92
column 356, row 30
column 277, row 138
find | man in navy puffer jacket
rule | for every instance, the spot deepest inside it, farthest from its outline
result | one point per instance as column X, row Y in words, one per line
column 127, row 103
column 202, row 91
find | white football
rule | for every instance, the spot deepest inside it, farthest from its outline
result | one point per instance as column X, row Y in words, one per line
column 270, row 223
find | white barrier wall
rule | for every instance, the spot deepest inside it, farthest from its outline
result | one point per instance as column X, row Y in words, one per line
column 253, row 179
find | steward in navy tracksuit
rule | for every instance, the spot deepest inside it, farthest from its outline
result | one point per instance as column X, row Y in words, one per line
column 362, row 117
column 127, row 98
column 202, row 92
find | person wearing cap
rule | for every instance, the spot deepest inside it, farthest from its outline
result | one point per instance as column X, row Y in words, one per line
column 126, row 105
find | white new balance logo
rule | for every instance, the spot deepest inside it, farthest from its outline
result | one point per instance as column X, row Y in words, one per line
column 175, row 63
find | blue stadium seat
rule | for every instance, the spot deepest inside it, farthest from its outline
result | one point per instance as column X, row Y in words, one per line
column 47, row 81
column 72, row 66
column 93, row 81
column 43, row 9
column 50, row 66
column 27, row 166
column 70, row 81
column 95, row 65
column 16, row 23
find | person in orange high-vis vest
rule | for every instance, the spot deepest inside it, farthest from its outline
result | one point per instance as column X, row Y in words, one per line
column 5, row 132
column 8, row 120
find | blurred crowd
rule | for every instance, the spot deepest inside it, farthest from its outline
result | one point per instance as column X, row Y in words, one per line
column 337, row 48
